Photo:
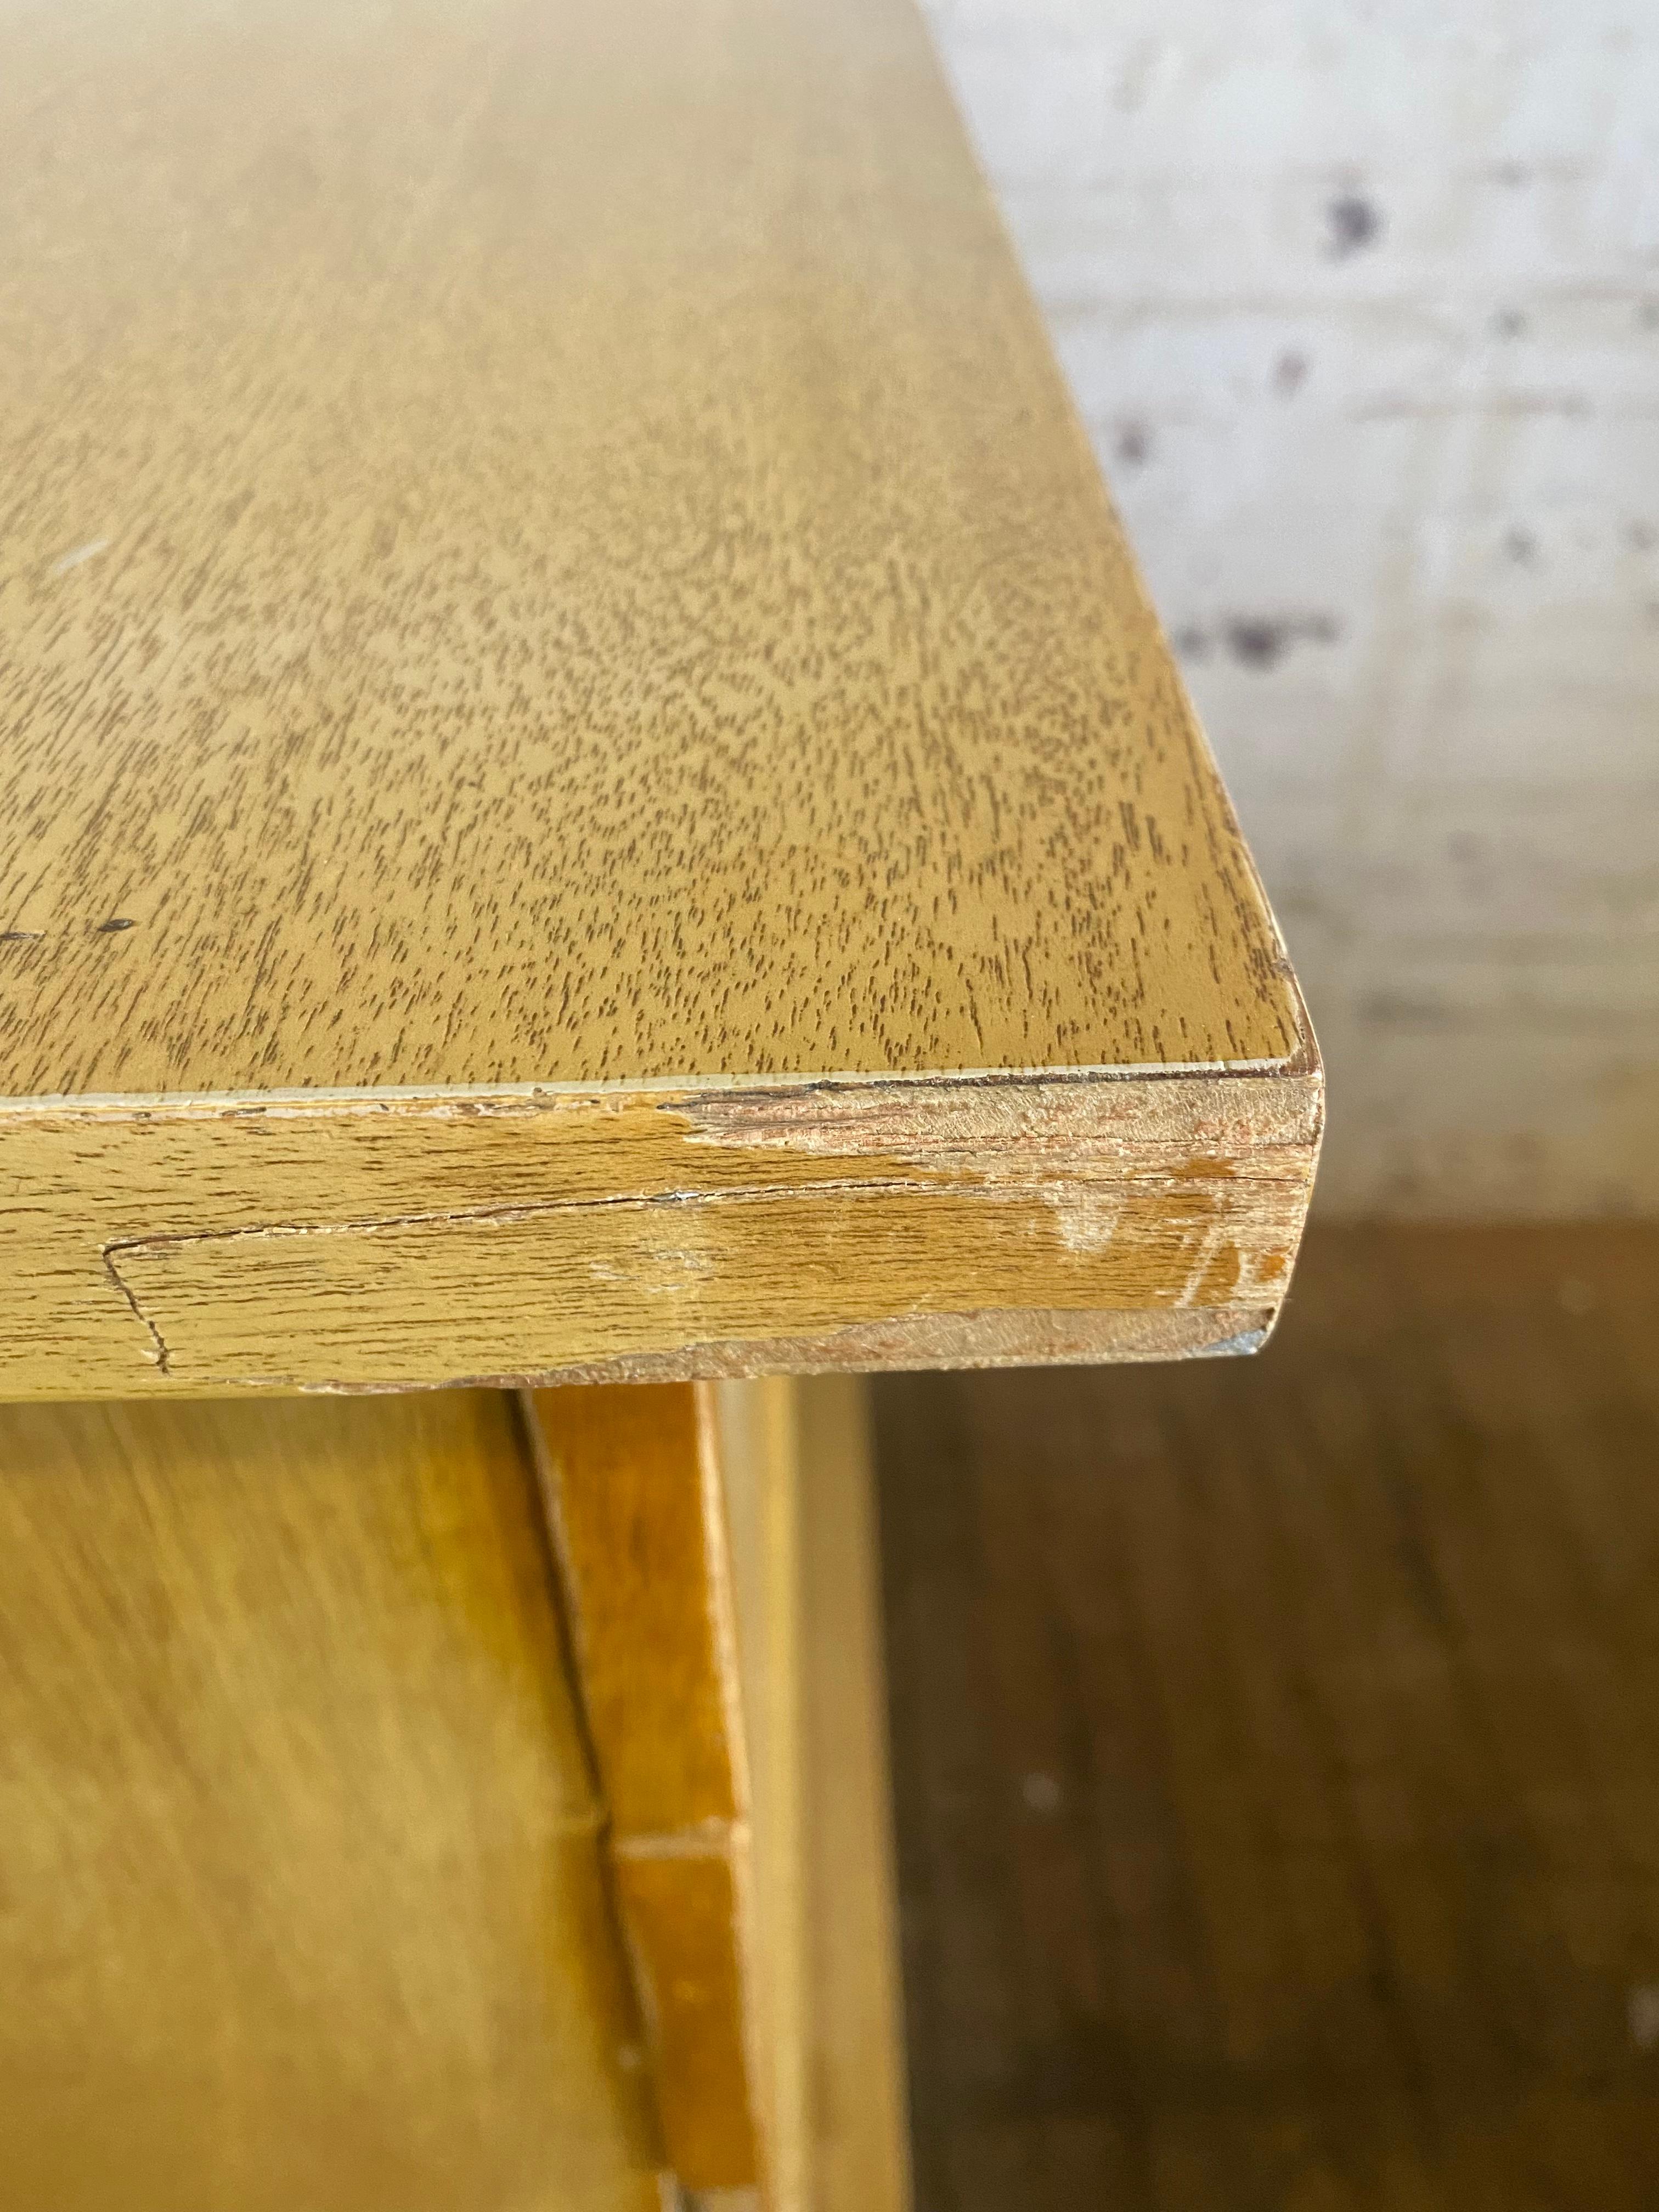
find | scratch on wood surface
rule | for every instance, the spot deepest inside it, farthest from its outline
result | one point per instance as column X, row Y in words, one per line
column 1008, row 1124
column 158, row 1355
column 89, row 552
column 707, row 1839
column 604, row 1229
column 1249, row 1275
column 523, row 1210
column 1087, row 1219
column 696, row 1264
column 1235, row 1347
column 281, row 980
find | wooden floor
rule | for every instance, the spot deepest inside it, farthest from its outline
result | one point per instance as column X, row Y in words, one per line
column 1277, row 1750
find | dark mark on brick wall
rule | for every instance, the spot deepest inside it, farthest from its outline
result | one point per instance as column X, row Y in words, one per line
column 1256, row 640
column 1262, row 640
column 1353, row 223
column 1132, row 447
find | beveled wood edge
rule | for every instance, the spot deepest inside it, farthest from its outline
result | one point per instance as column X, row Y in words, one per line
column 910, row 1343
column 667, row 1089
column 1005, row 1338
column 214, row 1193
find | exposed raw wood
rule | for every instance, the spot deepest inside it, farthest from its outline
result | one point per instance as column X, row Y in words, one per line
column 798, row 1486
column 301, row 1893
column 639, row 1527
column 713, row 1232
column 574, row 704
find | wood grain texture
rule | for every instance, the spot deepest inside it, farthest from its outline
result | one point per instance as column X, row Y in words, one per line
column 547, row 551
column 683, row 1912
column 301, row 1892
column 634, row 1501
column 277, row 1247
column 1276, row 1750
column 633, row 1491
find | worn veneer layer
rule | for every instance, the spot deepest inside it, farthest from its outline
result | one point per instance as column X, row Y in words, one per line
column 366, row 1245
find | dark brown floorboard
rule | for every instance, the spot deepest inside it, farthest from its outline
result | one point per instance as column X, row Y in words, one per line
column 1276, row 1750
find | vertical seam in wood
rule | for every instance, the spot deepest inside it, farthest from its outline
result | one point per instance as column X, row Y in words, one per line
column 721, row 1601
column 723, row 1627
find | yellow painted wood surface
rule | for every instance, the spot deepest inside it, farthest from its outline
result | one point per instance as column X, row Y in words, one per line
column 798, row 1478
column 708, row 1233
column 858, row 2134
column 546, row 550
column 301, row 1893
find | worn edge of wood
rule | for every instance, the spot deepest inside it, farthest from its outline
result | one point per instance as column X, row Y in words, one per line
column 195, row 1187
column 995, row 1337
column 278, row 1098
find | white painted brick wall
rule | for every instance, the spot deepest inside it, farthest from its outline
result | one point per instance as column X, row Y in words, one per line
column 1360, row 300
